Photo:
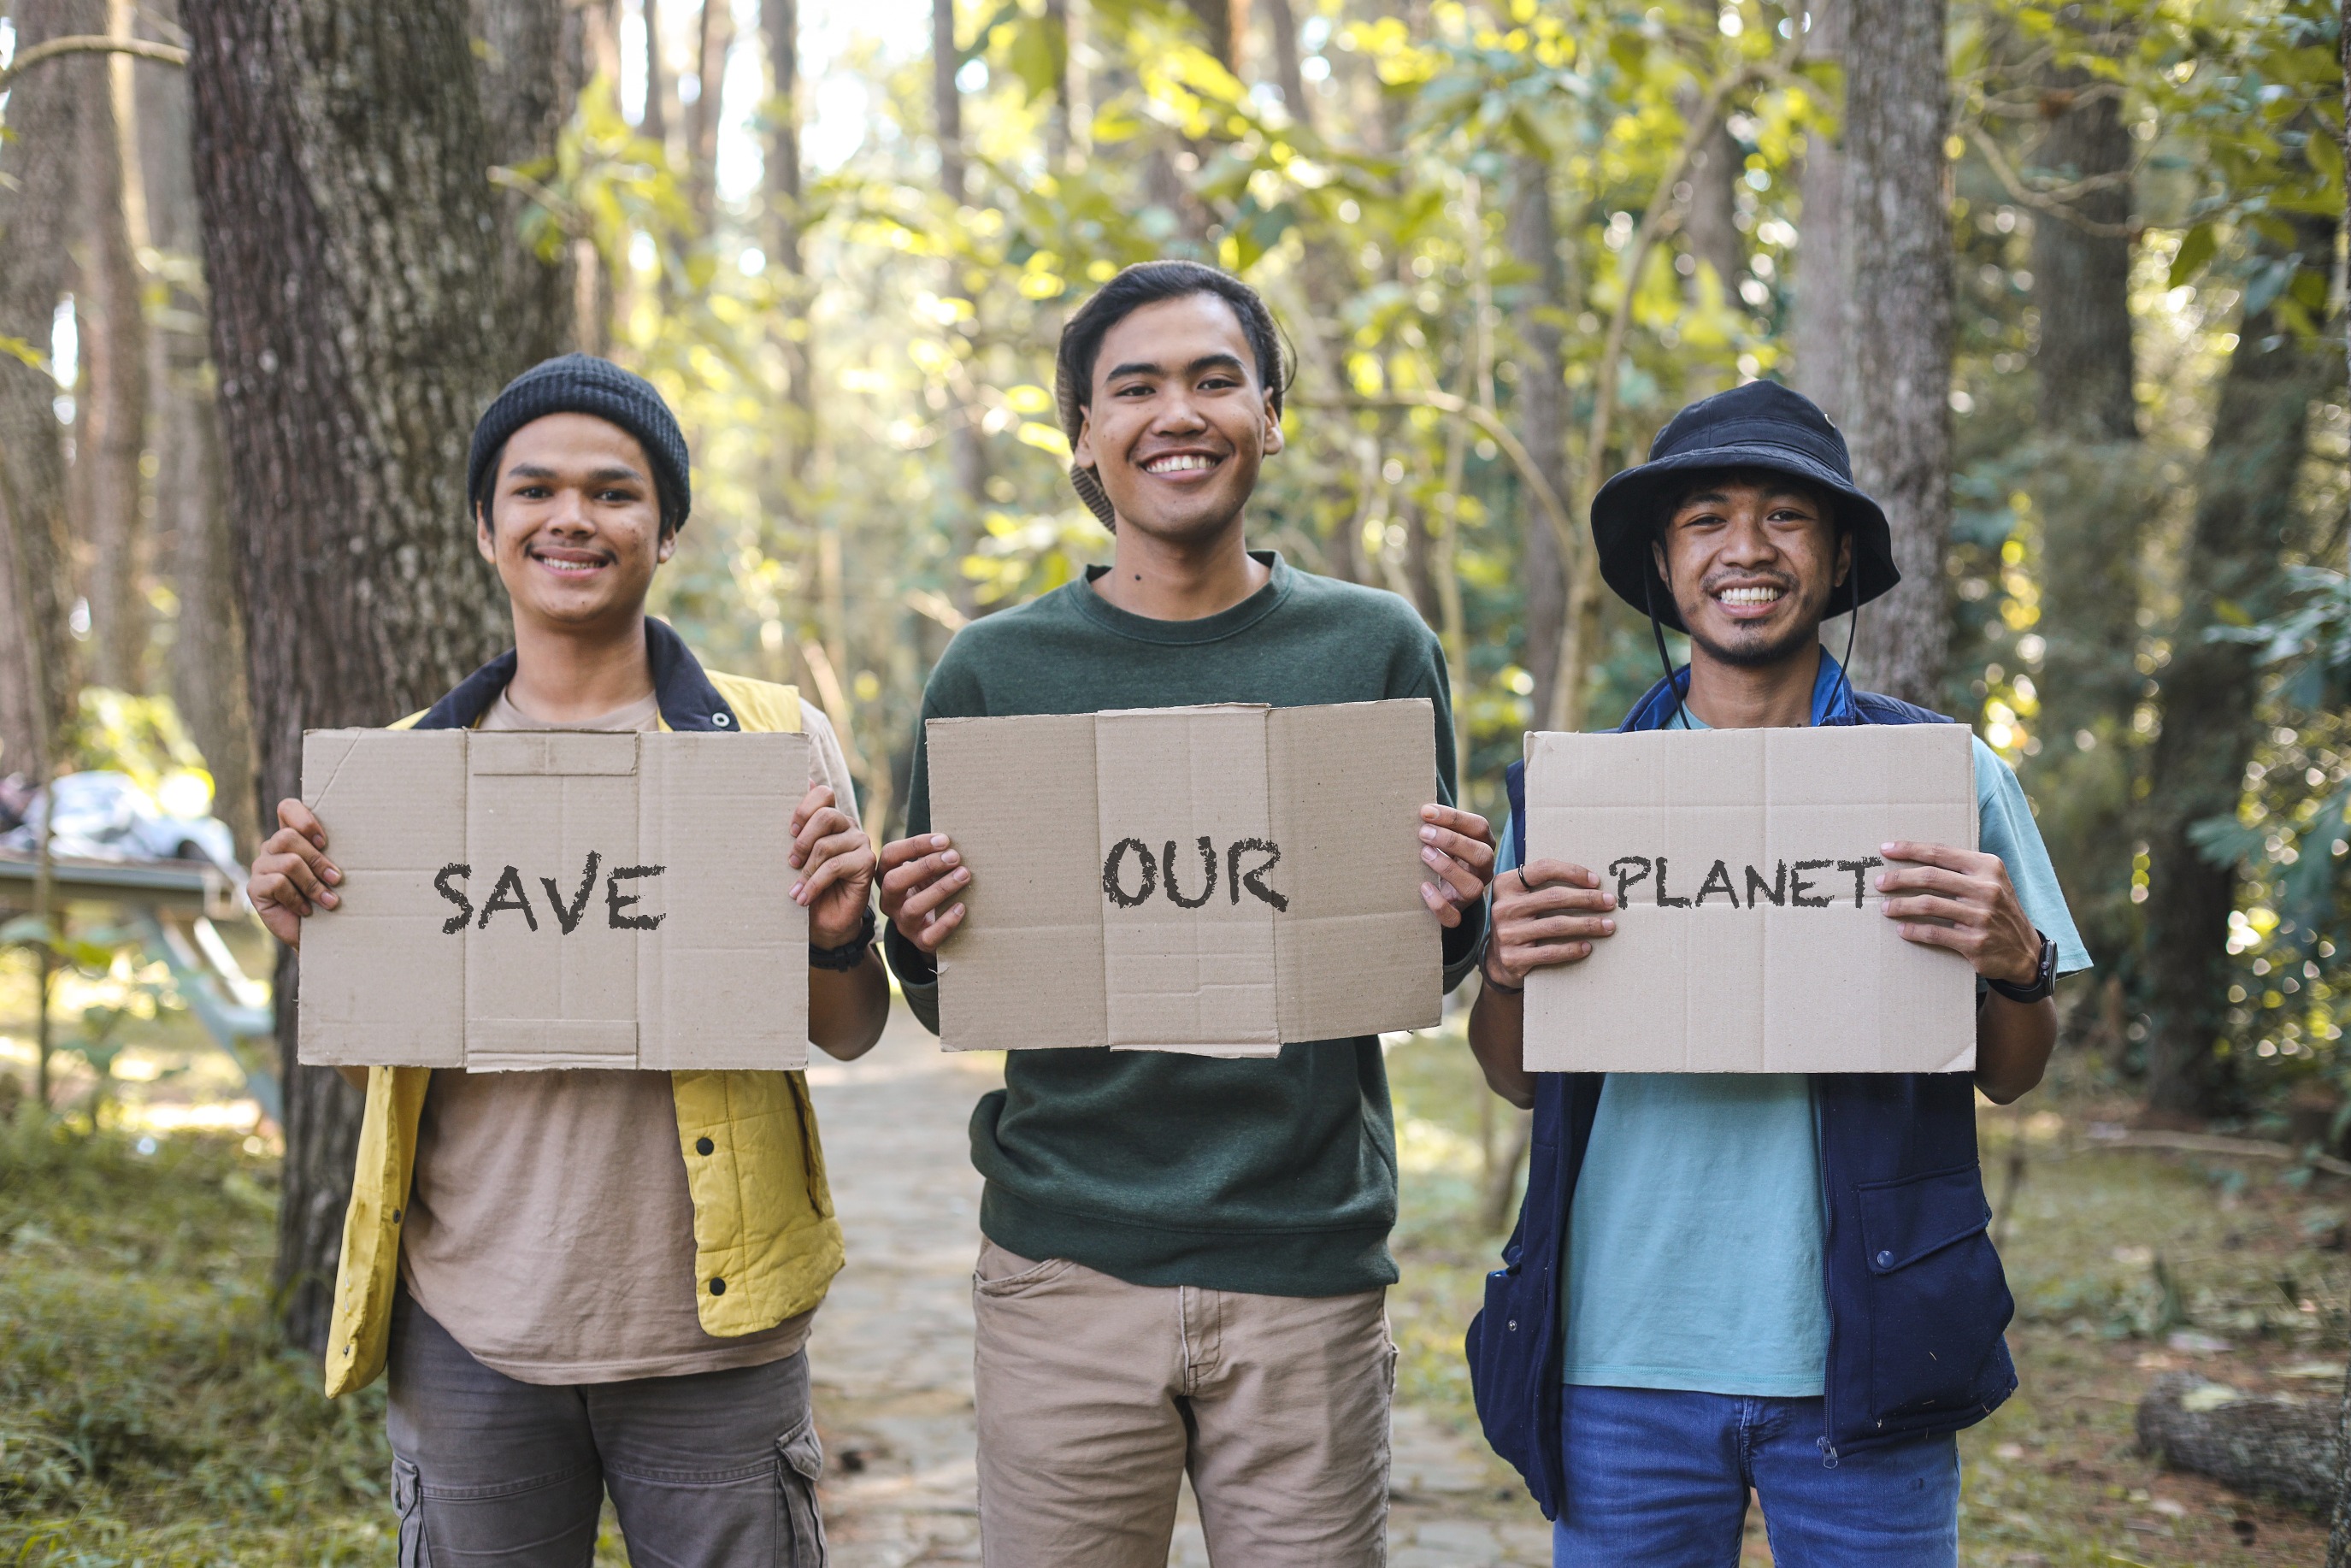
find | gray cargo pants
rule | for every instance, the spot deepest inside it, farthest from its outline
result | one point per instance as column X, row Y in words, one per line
column 713, row 1469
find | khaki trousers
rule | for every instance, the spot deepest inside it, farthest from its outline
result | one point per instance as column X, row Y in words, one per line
column 1095, row 1396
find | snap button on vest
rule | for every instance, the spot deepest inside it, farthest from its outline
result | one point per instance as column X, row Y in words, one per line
column 718, row 1287
column 703, row 1145
column 1885, row 1259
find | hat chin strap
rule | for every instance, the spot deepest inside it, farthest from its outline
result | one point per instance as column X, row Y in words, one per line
column 1649, row 602
column 1845, row 666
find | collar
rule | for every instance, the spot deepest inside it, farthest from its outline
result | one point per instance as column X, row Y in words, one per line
column 1279, row 581
column 688, row 699
column 1832, row 698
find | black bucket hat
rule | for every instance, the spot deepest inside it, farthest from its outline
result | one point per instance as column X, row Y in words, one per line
column 1760, row 425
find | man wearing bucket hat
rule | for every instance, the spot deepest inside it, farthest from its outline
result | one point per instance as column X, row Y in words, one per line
column 1687, row 1311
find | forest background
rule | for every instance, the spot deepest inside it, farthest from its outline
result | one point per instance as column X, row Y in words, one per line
column 2071, row 276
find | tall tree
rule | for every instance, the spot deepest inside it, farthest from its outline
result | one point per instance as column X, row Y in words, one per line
column 330, row 134
column 37, row 205
column 967, row 448
column 110, row 426
column 1821, row 332
column 780, row 20
column 2247, row 515
column 1532, row 234
column 655, row 123
column 715, row 41
column 1898, row 363
column 2094, row 497
column 1281, row 23
column 531, row 64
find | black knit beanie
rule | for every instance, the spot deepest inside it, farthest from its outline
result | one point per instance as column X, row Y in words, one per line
column 581, row 384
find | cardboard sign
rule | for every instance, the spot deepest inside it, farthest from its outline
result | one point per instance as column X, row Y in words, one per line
column 1750, row 936
column 513, row 900
column 1210, row 880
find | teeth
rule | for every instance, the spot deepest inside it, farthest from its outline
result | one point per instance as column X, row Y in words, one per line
column 553, row 565
column 1749, row 595
column 1176, row 464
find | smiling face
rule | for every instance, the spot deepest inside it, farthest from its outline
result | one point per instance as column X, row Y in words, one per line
column 1179, row 419
column 573, row 522
column 1751, row 560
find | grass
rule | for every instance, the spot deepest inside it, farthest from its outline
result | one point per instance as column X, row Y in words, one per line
column 146, row 1416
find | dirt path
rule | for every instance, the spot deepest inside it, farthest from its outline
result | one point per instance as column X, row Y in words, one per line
column 892, row 1347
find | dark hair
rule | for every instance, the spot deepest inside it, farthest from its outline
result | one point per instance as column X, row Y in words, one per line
column 1148, row 283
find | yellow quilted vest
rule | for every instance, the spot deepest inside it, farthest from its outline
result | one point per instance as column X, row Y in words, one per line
column 763, row 1216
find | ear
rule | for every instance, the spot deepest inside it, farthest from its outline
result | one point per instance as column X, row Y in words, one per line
column 1843, row 561
column 485, row 538
column 667, row 548
column 1082, row 450
column 1665, row 571
column 1272, row 426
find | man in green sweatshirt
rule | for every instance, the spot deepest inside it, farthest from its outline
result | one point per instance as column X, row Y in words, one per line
column 1186, row 1258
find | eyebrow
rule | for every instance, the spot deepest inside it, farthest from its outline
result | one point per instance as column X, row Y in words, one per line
column 1205, row 362
column 600, row 476
column 1717, row 498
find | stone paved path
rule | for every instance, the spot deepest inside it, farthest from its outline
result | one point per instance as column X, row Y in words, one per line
column 892, row 1352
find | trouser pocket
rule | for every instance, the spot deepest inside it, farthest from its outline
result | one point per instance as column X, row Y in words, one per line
column 799, row 1463
column 408, row 1506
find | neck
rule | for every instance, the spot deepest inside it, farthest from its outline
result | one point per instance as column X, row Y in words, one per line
column 1754, row 696
column 1168, row 580
column 565, row 673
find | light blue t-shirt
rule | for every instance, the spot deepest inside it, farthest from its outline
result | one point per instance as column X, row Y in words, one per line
column 1694, row 1241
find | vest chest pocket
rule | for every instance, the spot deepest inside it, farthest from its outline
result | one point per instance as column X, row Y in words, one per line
column 1937, row 1299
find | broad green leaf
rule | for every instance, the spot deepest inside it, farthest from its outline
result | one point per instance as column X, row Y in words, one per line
column 2195, row 254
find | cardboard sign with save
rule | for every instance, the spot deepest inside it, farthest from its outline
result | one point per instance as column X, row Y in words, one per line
column 1214, row 881
column 545, row 899
column 1750, row 932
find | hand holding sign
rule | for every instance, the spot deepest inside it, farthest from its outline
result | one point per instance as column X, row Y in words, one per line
column 1457, row 847
column 1545, row 912
column 918, row 875
column 1970, row 891
column 292, row 873
column 836, row 863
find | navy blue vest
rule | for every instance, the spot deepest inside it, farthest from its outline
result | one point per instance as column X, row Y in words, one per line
column 1916, row 1300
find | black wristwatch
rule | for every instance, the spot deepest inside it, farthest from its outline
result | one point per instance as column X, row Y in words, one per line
column 849, row 954
column 2044, row 977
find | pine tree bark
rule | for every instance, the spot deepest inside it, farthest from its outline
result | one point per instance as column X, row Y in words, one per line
column 1532, row 234
column 714, row 37
column 1281, row 23
column 967, row 449
column 37, row 205
column 330, row 134
column 110, row 428
column 1898, row 380
column 2246, row 515
column 532, row 62
column 779, row 21
column 1821, row 331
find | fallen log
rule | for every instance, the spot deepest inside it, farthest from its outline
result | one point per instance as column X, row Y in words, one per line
column 2260, row 1444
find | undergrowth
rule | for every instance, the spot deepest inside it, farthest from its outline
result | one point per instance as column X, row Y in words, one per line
column 147, row 1415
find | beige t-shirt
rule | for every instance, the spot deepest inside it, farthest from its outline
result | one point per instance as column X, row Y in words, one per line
column 550, row 1230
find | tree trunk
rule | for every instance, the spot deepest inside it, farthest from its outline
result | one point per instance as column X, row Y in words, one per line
column 208, row 664
column 2246, row 511
column 1282, row 23
column 2257, row 1444
column 655, row 123
column 37, row 206
column 780, row 20
column 532, row 61
column 1822, row 331
column 1898, row 385
column 716, row 40
column 966, row 450
column 328, row 135
column 1710, row 226
column 2094, row 498
column 110, row 427
column 1532, row 235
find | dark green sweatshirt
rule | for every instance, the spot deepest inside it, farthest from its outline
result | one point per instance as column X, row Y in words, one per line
column 1275, row 1176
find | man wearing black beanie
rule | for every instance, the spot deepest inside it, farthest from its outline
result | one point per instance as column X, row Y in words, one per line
column 586, row 1282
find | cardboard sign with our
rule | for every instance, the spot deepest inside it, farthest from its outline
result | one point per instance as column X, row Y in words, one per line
column 1751, row 935
column 1209, row 880
column 527, row 900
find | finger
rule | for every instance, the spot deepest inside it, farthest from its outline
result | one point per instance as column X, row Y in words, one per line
column 275, row 890
column 842, row 855
column 1476, row 854
column 1953, row 937
column 1453, row 819
column 296, row 872
column 822, row 824
column 1560, row 928
column 1927, row 878
column 1538, row 874
column 815, row 800
column 898, row 851
column 1447, row 912
column 292, row 814
column 1545, row 957
column 1934, row 854
column 291, row 844
column 939, row 929
column 907, row 878
column 924, row 900
column 1523, row 905
column 1465, row 884
column 1923, row 907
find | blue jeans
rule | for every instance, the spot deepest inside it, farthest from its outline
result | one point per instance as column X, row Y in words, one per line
column 1660, row 1477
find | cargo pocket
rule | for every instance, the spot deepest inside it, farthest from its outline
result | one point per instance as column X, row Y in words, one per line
column 408, row 1505
column 799, row 1463
column 1938, row 1300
